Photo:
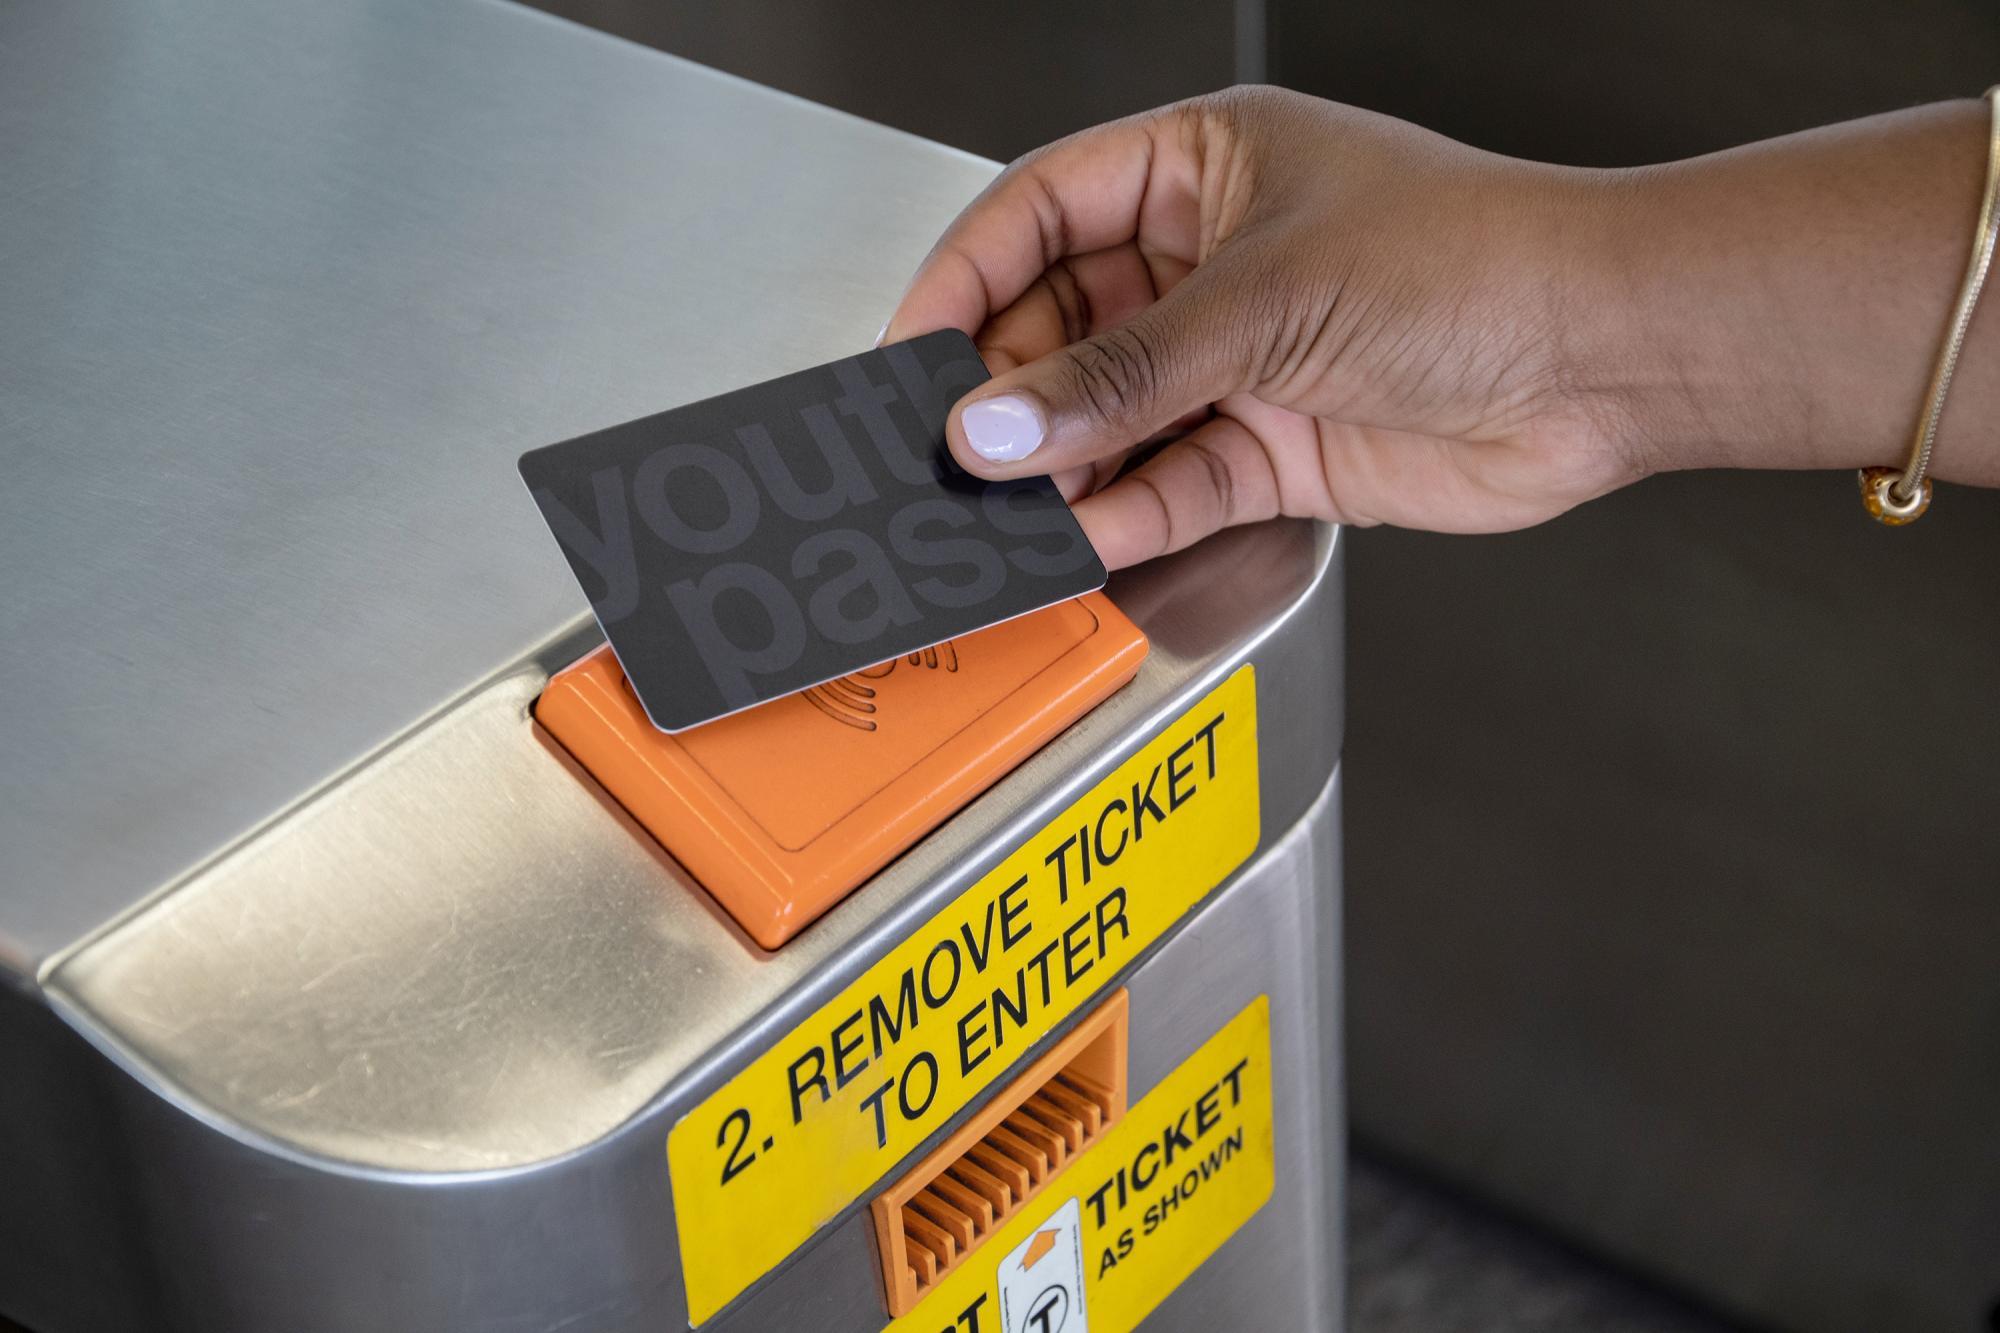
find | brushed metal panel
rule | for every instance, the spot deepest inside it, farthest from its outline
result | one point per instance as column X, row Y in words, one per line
column 462, row 957
column 1275, row 930
column 215, row 1234
column 408, row 1004
column 283, row 291
column 366, row 1043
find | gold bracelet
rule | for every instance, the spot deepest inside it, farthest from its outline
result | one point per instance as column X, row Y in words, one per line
column 1901, row 495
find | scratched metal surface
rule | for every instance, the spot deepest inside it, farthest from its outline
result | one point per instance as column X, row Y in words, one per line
column 463, row 957
column 284, row 289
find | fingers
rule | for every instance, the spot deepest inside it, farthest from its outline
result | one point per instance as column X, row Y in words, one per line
column 1119, row 182
column 1111, row 390
column 1219, row 476
column 1075, row 298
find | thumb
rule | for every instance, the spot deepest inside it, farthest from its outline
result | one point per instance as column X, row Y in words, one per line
column 1106, row 393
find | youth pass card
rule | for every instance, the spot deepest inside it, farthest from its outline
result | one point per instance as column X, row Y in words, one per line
column 771, row 539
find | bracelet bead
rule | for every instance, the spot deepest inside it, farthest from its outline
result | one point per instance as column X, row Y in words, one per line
column 1878, row 496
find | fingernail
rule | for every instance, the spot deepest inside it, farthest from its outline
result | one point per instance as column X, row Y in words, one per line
column 880, row 334
column 1002, row 429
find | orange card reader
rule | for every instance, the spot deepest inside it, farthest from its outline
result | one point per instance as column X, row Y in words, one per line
column 782, row 810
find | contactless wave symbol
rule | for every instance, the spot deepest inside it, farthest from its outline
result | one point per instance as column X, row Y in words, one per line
column 851, row 699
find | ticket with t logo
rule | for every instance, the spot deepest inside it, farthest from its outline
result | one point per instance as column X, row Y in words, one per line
column 774, row 538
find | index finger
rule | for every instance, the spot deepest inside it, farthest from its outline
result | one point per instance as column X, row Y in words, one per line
column 1128, row 180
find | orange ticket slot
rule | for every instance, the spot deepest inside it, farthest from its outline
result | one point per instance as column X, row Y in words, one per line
column 782, row 810
column 1038, row 1121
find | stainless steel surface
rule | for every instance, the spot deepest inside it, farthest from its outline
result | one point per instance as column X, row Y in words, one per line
column 338, row 998
column 1085, row 64
column 1274, row 931
column 205, row 1231
column 296, row 1121
column 1277, row 932
column 416, row 971
column 285, row 289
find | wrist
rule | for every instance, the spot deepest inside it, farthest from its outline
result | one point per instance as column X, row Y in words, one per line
column 1780, row 305
column 1657, row 353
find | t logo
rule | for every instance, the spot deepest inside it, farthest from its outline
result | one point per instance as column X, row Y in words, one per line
column 1048, row 1312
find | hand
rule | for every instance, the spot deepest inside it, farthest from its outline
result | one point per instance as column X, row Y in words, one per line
column 1332, row 314
column 1339, row 315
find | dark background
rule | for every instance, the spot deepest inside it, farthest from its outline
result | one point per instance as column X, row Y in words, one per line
column 1673, row 859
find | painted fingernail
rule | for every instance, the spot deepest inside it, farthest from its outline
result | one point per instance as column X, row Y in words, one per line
column 880, row 334
column 1002, row 429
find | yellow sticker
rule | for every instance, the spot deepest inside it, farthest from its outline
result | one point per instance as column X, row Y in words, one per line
column 829, row 1109
column 1130, row 1219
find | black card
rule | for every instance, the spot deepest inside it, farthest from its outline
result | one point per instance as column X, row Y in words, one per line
column 759, row 543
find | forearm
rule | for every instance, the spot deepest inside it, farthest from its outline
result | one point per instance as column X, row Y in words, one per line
column 1781, row 305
